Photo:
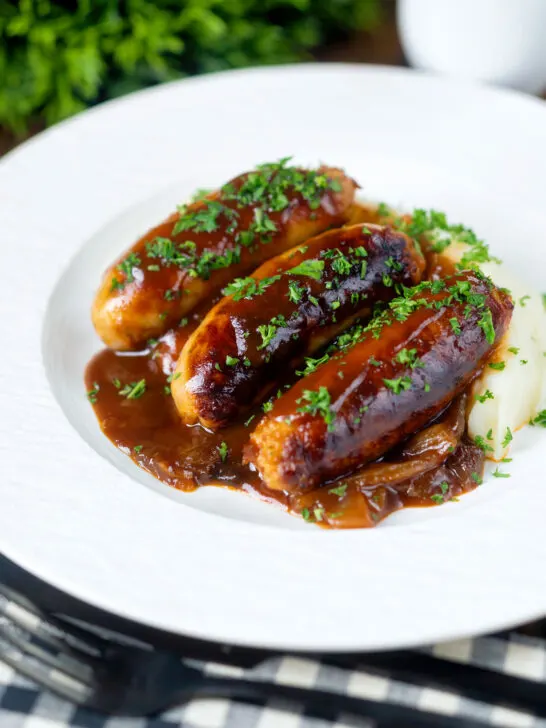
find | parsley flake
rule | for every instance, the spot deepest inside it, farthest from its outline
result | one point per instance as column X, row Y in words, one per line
column 318, row 403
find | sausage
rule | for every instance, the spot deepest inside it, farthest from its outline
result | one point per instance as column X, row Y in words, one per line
column 407, row 364
column 193, row 254
column 290, row 307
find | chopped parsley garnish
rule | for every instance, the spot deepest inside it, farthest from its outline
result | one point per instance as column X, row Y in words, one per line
column 523, row 301
column 513, row 349
column 498, row 474
column 409, row 357
column 266, row 189
column 540, row 419
column 497, row 365
column 486, row 324
column 231, row 361
column 223, row 451
column 437, row 498
column 401, row 384
column 267, row 332
column 203, row 220
column 456, row 327
column 318, row 403
column 138, row 448
column 339, row 490
column 248, row 287
column 387, row 280
column 134, row 390
column 340, row 263
column 267, row 406
column 295, row 291
column 311, row 364
column 476, row 477
column 200, row 194
column 310, row 268
column 433, row 225
column 126, row 267
column 488, row 394
column 482, row 444
column 508, row 437
column 247, row 422
column 92, row 394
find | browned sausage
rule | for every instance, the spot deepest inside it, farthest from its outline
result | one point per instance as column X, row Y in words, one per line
column 290, row 307
column 407, row 364
column 194, row 254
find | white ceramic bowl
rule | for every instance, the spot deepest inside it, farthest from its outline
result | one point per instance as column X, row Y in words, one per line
column 497, row 41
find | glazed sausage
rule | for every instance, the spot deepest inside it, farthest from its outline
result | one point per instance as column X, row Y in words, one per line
column 290, row 307
column 194, row 254
column 405, row 367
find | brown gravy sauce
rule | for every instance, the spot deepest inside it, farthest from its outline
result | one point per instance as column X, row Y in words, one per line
column 148, row 429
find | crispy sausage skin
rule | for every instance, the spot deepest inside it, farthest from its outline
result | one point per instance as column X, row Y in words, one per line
column 406, row 366
column 192, row 255
column 290, row 307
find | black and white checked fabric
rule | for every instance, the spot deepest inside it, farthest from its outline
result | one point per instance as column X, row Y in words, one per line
column 22, row 705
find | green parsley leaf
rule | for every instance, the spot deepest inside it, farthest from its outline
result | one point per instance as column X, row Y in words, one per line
column 339, row 490
column 267, row 332
column 310, row 268
column 295, row 291
column 486, row 324
column 498, row 365
column 482, row 444
column 488, row 394
column 455, row 325
column 318, row 403
column 92, row 394
column 134, row 390
column 311, row 364
column 398, row 385
column 231, row 361
column 126, row 268
column 497, row 474
column 508, row 437
column 223, row 451
column 540, row 419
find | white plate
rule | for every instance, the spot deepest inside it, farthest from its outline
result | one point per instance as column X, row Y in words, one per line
column 216, row 564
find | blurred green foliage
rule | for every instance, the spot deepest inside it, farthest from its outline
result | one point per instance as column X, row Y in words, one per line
column 57, row 57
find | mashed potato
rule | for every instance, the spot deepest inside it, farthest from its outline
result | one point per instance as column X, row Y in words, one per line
column 512, row 389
